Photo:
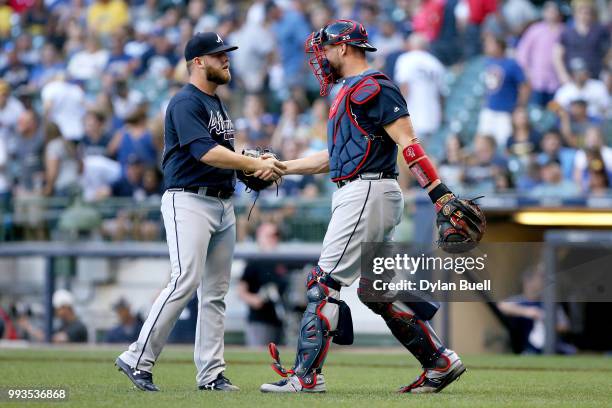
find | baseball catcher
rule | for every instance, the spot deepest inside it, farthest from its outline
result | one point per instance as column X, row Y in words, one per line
column 368, row 121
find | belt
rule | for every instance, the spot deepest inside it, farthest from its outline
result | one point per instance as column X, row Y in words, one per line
column 367, row 176
column 206, row 191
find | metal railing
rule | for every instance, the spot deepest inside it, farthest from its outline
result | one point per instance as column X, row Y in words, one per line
column 51, row 251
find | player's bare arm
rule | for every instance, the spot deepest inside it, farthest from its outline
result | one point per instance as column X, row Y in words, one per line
column 402, row 133
column 316, row 163
column 221, row 157
column 524, row 93
column 558, row 56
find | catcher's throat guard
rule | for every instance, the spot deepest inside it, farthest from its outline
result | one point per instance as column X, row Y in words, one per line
column 326, row 318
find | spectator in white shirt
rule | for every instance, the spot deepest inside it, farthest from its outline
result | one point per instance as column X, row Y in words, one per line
column 64, row 104
column 252, row 60
column 90, row 62
column 5, row 186
column 99, row 173
column 10, row 109
column 421, row 79
column 63, row 165
column 581, row 87
column 125, row 99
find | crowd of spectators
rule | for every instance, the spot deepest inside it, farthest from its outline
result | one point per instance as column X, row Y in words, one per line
column 560, row 66
column 84, row 85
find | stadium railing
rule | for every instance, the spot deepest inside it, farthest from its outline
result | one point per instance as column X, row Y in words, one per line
column 50, row 251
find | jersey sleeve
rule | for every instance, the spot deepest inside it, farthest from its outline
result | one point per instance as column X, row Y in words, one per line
column 189, row 119
column 199, row 147
column 388, row 106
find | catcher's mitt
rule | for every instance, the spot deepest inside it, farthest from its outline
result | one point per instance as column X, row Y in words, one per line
column 461, row 223
column 250, row 181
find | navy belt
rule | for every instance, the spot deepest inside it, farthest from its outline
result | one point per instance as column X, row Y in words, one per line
column 367, row 176
column 207, row 191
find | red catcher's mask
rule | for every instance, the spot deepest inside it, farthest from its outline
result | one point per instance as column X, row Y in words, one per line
column 337, row 32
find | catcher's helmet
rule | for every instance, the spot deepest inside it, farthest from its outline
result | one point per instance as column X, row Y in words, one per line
column 337, row 32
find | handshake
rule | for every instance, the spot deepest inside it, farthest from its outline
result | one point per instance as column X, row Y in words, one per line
column 270, row 168
column 266, row 170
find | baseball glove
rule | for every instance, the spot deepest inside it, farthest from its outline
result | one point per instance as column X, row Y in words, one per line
column 250, row 181
column 461, row 223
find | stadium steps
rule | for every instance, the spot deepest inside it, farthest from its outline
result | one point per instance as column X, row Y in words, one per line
column 106, row 281
column 463, row 102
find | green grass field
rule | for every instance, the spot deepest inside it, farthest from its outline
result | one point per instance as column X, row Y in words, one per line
column 354, row 379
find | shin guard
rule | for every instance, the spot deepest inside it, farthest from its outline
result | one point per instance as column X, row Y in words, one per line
column 413, row 333
column 318, row 326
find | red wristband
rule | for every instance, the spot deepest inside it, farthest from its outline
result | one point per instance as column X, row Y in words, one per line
column 420, row 165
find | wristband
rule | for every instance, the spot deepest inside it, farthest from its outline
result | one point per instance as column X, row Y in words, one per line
column 440, row 195
column 438, row 191
column 419, row 164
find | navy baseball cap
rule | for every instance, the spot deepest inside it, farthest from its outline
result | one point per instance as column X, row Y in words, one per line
column 206, row 44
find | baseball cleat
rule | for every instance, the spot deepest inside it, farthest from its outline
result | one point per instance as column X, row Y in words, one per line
column 143, row 380
column 436, row 379
column 292, row 384
column 222, row 383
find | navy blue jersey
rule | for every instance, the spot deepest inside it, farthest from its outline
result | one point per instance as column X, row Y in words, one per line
column 196, row 118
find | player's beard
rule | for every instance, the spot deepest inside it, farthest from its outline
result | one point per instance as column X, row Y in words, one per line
column 218, row 76
column 334, row 71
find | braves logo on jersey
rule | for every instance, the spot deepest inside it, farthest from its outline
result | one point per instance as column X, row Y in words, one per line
column 220, row 126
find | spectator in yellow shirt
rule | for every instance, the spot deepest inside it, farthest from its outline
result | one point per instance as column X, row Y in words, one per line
column 107, row 16
column 6, row 12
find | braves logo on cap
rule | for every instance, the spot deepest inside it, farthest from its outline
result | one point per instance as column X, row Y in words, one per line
column 206, row 44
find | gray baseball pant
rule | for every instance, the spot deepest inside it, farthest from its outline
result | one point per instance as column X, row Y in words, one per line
column 362, row 211
column 201, row 235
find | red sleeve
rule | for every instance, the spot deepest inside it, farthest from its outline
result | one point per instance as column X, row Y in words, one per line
column 480, row 9
column 490, row 7
column 428, row 19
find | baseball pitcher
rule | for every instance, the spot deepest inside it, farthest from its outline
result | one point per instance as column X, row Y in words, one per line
column 199, row 166
column 368, row 120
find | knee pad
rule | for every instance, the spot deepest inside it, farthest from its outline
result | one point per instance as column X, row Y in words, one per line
column 326, row 317
column 422, row 309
